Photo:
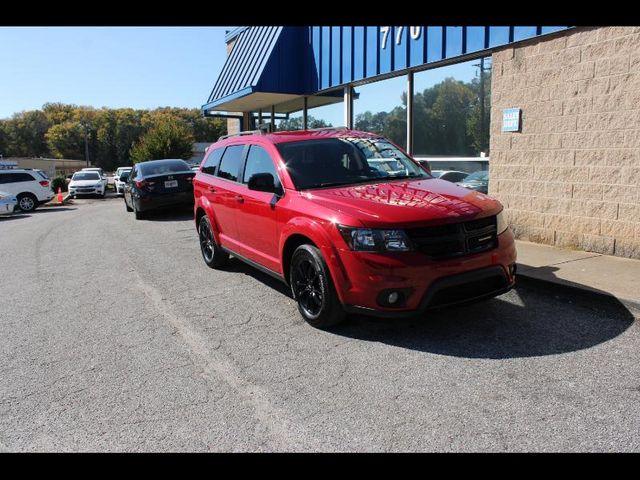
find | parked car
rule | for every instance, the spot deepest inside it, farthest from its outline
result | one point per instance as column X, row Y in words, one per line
column 309, row 209
column 29, row 188
column 158, row 184
column 87, row 182
column 450, row 175
column 478, row 181
column 8, row 203
column 119, row 179
column 95, row 169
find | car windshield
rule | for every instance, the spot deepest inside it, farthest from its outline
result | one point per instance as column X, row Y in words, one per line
column 86, row 176
column 162, row 168
column 480, row 176
column 346, row 161
column 124, row 175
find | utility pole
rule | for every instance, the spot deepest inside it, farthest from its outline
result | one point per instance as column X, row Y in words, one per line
column 86, row 141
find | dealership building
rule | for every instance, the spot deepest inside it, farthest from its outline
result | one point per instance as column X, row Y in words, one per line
column 553, row 113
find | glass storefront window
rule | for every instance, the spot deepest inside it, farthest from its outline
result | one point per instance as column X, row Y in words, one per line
column 381, row 108
column 452, row 107
column 326, row 110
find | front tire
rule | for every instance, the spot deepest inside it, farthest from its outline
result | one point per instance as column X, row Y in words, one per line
column 212, row 254
column 313, row 288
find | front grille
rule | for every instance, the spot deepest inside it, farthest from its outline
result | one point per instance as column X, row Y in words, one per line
column 455, row 239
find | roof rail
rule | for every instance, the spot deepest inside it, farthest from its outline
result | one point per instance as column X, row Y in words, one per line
column 326, row 128
column 248, row 132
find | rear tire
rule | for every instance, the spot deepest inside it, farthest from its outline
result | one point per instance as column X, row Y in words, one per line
column 139, row 215
column 313, row 288
column 212, row 254
column 27, row 202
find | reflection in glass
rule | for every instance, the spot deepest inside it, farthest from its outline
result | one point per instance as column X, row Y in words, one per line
column 452, row 110
column 381, row 108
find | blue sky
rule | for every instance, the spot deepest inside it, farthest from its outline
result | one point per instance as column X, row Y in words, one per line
column 143, row 68
column 138, row 67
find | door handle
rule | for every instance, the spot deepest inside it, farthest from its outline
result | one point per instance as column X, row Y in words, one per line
column 240, row 198
column 211, row 189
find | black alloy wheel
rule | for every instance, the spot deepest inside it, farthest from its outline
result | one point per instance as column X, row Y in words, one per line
column 213, row 255
column 313, row 288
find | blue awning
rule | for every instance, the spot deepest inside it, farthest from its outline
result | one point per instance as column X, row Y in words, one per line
column 263, row 68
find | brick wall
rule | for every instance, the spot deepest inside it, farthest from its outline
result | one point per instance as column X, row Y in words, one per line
column 571, row 177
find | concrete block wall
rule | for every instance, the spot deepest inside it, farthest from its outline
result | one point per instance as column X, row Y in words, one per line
column 571, row 177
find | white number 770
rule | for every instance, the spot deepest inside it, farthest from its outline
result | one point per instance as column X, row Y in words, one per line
column 415, row 34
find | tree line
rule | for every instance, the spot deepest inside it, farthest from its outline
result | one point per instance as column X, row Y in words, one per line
column 115, row 137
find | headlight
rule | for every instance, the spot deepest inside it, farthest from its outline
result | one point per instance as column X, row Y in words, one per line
column 369, row 240
column 502, row 222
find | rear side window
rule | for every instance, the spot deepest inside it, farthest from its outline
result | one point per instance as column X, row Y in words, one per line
column 16, row 177
column 163, row 167
column 213, row 160
column 259, row 161
column 230, row 163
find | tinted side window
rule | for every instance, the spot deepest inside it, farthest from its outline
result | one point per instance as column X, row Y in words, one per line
column 230, row 163
column 4, row 178
column 259, row 161
column 211, row 165
column 17, row 177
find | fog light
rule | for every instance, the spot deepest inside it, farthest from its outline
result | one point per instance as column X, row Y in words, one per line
column 394, row 297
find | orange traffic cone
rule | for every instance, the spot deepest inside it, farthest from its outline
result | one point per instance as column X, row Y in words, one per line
column 59, row 195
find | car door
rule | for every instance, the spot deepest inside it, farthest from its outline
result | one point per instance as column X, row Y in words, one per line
column 224, row 192
column 256, row 215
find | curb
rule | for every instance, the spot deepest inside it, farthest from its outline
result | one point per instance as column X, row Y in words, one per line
column 585, row 294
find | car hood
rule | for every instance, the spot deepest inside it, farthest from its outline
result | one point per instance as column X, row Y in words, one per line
column 406, row 204
column 85, row 183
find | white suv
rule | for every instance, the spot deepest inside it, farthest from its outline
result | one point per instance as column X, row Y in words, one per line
column 30, row 187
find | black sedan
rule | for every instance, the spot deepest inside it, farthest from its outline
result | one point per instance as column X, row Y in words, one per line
column 157, row 184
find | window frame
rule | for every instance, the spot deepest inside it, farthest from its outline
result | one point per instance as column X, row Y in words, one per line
column 240, row 165
column 277, row 178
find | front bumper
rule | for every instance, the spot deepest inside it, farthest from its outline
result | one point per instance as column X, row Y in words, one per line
column 364, row 279
column 86, row 190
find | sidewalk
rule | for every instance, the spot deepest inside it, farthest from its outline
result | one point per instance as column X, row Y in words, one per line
column 596, row 275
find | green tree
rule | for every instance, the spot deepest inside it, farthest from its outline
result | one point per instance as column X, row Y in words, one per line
column 169, row 138
column 295, row 123
column 26, row 134
column 66, row 140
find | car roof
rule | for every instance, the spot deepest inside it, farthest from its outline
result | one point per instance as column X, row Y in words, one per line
column 303, row 135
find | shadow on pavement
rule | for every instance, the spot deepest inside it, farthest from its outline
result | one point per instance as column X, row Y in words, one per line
column 14, row 216
column 525, row 322
column 535, row 319
column 52, row 209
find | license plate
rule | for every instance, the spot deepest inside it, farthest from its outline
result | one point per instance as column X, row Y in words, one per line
column 171, row 183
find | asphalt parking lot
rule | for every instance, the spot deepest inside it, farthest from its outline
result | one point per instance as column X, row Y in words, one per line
column 115, row 336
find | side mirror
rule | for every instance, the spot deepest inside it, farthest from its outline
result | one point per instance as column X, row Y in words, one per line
column 262, row 182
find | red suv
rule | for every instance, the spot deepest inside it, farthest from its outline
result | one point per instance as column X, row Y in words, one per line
column 351, row 223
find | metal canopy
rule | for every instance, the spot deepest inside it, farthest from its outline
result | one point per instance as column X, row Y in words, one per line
column 265, row 67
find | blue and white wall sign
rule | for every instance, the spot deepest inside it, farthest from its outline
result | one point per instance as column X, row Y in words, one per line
column 511, row 119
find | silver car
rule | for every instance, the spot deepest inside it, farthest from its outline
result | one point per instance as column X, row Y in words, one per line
column 7, row 203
